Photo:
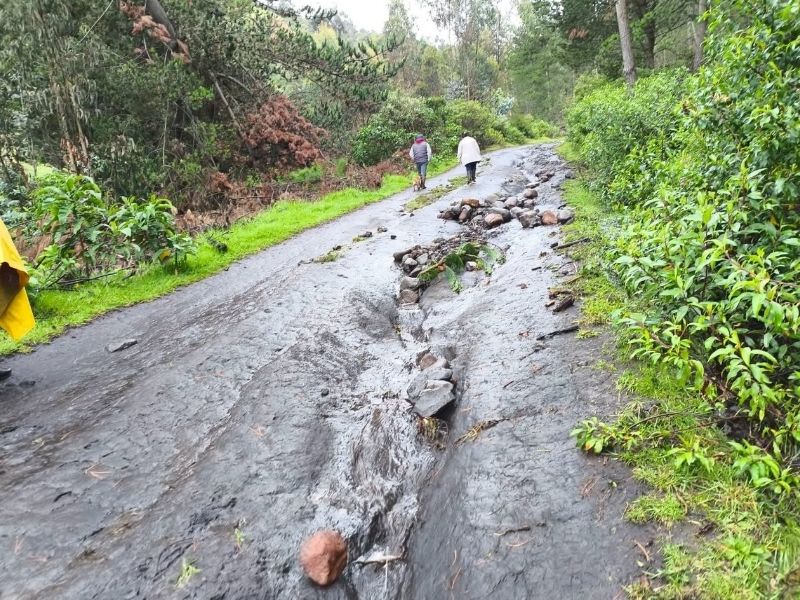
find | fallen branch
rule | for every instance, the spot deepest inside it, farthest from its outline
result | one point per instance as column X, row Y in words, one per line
column 570, row 329
column 564, row 304
column 647, row 557
column 514, row 530
column 380, row 559
column 570, row 244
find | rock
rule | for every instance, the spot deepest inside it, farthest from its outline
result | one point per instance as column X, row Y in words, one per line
column 366, row 234
column 382, row 229
column 324, row 392
column 516, row 211
column 409, row 283
column 529, row 203
column 511, row 202
column 503, row 212
column 423, row 259
column 532, row 185
column 398, row 256
column 420, row 381
column 441, row 363
column 393, row 236
column 416, row 271
column 324, row 557
column 470, row 265
column 565, row 215
column 471, row 202
column 435, row 396
column 530, row 194
column 493, row 220
column 477, row 221
column 529, row 219
column 409, row 263
column 427, row 360
column 466, row 213
column 122, row 345
column 409, row 297
column 549, row 218
column 497, row 204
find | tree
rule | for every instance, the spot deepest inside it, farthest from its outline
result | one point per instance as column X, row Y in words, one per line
column 628, row 65
column 699, row 34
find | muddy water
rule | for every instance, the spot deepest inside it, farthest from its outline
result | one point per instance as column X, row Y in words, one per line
column 268, row 401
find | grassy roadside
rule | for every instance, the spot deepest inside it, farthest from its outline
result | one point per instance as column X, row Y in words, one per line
column 56, row 310
column 723, row 536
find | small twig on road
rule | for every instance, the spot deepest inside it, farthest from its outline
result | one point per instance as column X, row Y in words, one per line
column 644, row 551
column 547, row 336
column 514, row 530
column 570, row 244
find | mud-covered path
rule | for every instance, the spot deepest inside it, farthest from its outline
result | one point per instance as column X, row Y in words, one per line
column 269, row 401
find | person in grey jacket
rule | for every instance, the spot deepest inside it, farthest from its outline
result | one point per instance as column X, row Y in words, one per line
column 421, row 154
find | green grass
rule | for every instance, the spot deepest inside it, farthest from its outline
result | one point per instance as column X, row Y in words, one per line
column 56, row 310
column 743, row 542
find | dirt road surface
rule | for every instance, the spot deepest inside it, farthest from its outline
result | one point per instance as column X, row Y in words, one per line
column 269, row 401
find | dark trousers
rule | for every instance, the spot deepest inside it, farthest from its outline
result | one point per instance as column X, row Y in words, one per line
column 471, row 168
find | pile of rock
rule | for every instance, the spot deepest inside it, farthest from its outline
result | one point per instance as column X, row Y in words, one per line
column 433, row 388
column 494, row 211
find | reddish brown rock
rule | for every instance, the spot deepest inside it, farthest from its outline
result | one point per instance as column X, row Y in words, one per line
column 471, row 202
column 549, row 218
column 324, row 557
column 531, row 194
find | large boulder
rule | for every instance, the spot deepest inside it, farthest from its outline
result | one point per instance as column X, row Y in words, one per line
column 431, row 374
column 530, row 194
column 324, row 557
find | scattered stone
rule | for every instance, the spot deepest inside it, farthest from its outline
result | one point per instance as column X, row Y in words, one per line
column 324, row 557
column 471, row 265
column 366, row 234
column 122, row 345
column 503, row 212
column 393, row 236
column 427, row 360
column 549, row 218
column 441, row 363
column 471, row 202
column 529, row 203
column 529, row 219
column 530, row 194
column 564, row 304
column 565, row 215
column 409, row 263
column 493, row 220
column 417, row 271
column 324, row 392
column 423, row 259
column 398, row 256
column 409, row 297
column 532, row 185
column 420, row 381
column 512, row 202
column 409, row 283
column 435, row 396
column 466, row 213
column 382, row 229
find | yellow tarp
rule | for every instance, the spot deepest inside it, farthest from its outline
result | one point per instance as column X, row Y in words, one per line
column 17, row 318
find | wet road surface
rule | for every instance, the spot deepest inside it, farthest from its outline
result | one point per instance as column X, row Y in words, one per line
column 269, row 401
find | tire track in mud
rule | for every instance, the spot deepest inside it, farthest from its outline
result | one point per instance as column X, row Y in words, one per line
column 269, row 401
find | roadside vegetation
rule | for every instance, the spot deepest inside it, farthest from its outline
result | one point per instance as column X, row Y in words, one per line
column 689, row 194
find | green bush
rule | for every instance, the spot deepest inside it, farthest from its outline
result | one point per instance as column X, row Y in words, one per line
column 306, row 175
column 712, row 254
column 533, row 128
column 613, row 128
column 91, row 235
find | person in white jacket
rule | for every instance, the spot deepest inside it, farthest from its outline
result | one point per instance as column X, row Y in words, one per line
column 469, row 153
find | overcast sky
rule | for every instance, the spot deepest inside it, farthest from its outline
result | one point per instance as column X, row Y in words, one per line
column 370, row 15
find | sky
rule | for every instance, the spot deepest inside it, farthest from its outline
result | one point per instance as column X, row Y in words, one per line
column 370, row 15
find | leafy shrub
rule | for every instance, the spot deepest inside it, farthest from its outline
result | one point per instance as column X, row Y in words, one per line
column 713, row 253
column 612, row 126
column 533, row 128
column 90, row 235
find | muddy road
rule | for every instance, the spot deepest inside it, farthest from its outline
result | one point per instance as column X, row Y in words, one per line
column 270, row 401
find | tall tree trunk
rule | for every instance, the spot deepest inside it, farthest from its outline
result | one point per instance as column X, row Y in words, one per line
column 699, row 34
column 650, row 42
column 628, row 65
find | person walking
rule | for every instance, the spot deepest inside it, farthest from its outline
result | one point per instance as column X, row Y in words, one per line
column 421, row 154
column 16, row 316
column 469, row 154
